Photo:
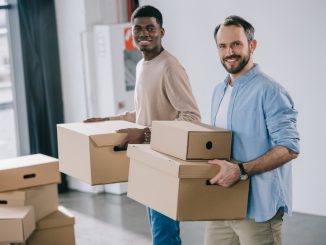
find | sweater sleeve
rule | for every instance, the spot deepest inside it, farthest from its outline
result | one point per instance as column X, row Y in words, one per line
column 179, row 93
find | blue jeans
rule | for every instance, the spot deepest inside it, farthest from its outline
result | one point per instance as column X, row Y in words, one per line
column 165, row 231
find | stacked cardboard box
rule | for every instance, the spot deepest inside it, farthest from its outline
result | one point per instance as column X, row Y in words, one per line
column 28, row 195
column 56, row 228
column 86, row 151
column 171, row 174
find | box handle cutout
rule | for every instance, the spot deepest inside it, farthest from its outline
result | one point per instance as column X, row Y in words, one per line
column 118, row 148
column 209, row 183
column 3, row 202
column 209, row 145
column 29, row 176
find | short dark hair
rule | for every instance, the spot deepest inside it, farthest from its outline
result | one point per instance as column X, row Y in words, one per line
column 234, row 20
column 148, row 11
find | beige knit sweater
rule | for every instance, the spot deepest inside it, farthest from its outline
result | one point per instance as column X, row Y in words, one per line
column 162, row 92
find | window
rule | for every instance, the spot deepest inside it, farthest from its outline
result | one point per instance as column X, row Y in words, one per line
column 14, row 137
column 8, row 144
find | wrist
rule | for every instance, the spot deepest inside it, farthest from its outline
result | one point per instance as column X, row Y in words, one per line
column 243, row 173
column 147, row 135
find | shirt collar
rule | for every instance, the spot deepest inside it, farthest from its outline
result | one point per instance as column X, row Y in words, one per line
column 246, row 77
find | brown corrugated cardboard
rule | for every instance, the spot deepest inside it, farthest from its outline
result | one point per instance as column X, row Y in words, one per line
column 86, row 151
column 16, row 223
column 178, row 188
column 28, row 171
column 190, row 141
column 44, row 199
column 55, row 229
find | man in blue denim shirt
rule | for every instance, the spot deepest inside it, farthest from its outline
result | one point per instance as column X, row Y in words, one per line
column 262, row 117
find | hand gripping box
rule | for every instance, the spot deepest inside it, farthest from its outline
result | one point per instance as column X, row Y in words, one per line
column 28, row 171
column 179, row 189
column 191, row 141
column 44, row 199
column 86, row 151
column 16, row 223
column 55, row 229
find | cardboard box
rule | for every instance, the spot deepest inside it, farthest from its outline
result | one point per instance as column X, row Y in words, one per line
column 16, row 223
column 86, row 151
column 179, row 188
column 191, row 141
column 55, row 229
column 28, row 171
column 44, row 199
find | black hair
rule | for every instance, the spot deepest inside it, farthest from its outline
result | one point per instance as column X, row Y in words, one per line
column 237, row 21
column 148, row 11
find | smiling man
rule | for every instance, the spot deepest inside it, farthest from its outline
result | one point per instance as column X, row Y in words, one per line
column 262, row 118
column 162, row 92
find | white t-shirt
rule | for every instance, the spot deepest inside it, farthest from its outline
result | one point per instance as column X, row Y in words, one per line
column 221, row 119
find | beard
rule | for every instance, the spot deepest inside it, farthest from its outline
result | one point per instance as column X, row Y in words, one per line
column 236, row 69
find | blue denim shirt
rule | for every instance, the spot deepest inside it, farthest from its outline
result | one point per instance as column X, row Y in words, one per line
column 261, row 115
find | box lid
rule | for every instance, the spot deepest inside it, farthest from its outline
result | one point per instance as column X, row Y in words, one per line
column 6, row 197
column 191, row 140
column 171, row 165
column 16, row 223
column 21, row 194
column 190, row 126
column 61, row 217
column 102, row 133
column 24, row 161
column 14, row 212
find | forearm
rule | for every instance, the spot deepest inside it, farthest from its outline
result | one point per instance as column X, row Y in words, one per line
column 189, row 116
column 127, row 116
column 275, row 158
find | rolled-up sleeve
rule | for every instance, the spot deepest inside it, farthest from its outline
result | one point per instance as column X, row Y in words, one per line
column 281, row 118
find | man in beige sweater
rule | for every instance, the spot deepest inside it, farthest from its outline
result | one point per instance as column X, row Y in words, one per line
column 162, row 92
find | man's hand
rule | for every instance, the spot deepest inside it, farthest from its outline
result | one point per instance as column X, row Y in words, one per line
column 96, row 119
column 228, row 174
column 134, row 136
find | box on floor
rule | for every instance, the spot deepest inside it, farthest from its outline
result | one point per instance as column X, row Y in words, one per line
column 44, row 199
column 56, row 228
column 28, row 171
column 16, row 223
column 86, row 151
column 191, row 141
column 179, row 188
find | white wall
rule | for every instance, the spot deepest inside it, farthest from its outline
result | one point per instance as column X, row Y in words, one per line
column 75, row 18
column 291, row 48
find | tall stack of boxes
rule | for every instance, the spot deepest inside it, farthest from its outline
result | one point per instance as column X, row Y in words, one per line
column 29, row 212
column 171, row 175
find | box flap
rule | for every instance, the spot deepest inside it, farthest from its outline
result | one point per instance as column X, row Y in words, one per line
column 109, row 139
column 61, row 217
column 171, row 165
column 101, row 133
column 98, row 128
column 25, row 161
